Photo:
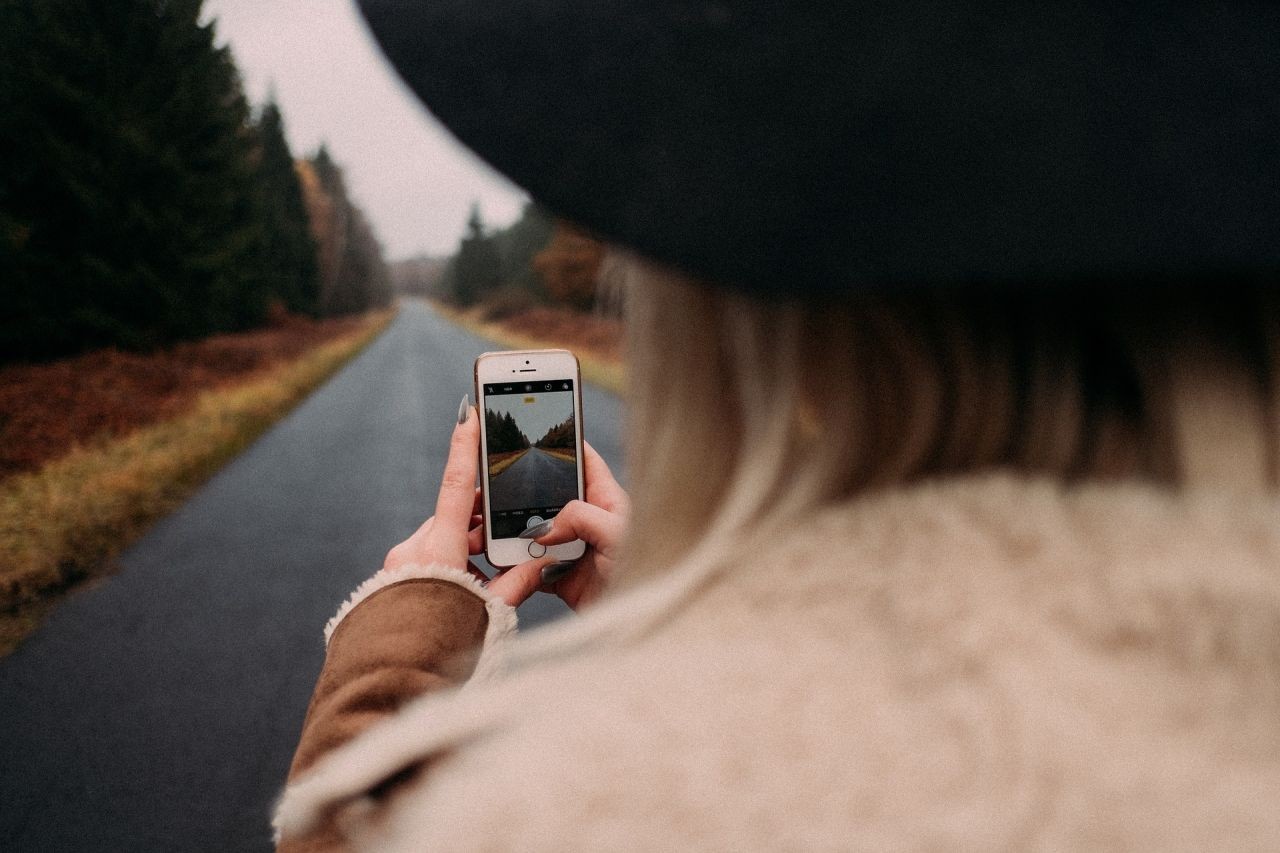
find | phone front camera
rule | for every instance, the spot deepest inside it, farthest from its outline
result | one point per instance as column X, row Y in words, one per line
column 526, row 361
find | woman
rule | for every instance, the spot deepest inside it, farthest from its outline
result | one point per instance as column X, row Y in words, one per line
column 954, row 446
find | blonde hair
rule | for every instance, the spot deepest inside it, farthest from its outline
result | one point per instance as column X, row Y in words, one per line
column 745, row 412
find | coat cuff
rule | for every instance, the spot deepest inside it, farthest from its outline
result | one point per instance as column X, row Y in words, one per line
column 502, row 616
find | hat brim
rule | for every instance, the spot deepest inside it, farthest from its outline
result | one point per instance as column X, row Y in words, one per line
column 838, row 148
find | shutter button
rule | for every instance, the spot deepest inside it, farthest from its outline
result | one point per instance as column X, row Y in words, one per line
column 535, row 550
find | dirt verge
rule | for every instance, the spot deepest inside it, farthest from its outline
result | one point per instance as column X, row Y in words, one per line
column 66, row 520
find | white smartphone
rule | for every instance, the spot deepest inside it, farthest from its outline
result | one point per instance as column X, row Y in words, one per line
column 530, row 405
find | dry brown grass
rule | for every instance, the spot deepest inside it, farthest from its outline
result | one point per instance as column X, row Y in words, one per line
column 64, row 522
column 48, row 409
column 499, row 462
column 566, row 455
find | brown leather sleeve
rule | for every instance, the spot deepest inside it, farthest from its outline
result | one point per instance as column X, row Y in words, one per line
column 404, row 640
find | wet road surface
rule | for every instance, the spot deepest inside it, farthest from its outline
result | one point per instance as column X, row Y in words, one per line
column 536, row 479
column 158, row 709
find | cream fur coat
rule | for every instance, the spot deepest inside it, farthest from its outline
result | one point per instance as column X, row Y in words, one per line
column 984, row 664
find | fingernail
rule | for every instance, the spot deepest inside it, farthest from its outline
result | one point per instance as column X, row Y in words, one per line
column 464, row 410
column 537, row 530
column 553, row 572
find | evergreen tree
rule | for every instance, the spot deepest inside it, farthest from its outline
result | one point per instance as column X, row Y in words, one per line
column 129, row 213
column 498, row 266
column 366, row 282
column 519, row 244
column 502, row 433
column 515, row 436
column 289, row 251
column 353, row 274
column 561, row 436
column 477, row 266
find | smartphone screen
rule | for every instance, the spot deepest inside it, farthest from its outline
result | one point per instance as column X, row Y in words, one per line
column 531, row 452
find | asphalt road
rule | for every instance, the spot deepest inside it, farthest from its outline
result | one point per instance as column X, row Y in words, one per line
column 535, row 479
column 158, row 710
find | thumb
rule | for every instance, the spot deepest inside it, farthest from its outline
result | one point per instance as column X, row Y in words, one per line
column 599, row 528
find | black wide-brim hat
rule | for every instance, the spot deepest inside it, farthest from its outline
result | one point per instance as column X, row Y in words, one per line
column 823, row 148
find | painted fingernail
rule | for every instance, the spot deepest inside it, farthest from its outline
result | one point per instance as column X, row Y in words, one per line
column 464, row 410
column 555, row 571
column 537, row 530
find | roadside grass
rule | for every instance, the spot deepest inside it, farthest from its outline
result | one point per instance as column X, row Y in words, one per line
column 499, row 462
column 65, row 522
column 566, row 455
column 47, row 409
column 598, row 367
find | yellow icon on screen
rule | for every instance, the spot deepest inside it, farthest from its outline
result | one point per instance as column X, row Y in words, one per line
column 529, row 399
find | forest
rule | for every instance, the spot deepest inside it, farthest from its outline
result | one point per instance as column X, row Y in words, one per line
column 502, row 433
column 536, row 261
column 143, row 201
column 560, row 436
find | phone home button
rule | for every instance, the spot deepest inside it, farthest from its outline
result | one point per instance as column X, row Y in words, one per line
column 537, row 549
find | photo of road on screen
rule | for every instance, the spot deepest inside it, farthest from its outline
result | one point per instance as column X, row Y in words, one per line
column 531, row 454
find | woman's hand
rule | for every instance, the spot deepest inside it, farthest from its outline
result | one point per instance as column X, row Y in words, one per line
column 448, row 537
column 456, row 531
column 600, row 521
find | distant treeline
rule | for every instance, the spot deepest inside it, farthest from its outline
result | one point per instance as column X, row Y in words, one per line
column 559, row 436
column 353, row 276
column 535, row 261
column 141, row 200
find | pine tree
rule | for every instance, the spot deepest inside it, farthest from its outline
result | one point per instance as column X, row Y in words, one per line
column 560, row 436
column 477, row 266
column 502, row 434
column 497, row 266
column 128, row 208
column 513, row 434
column 353, row 274
column 519, row 243
column 289, row 251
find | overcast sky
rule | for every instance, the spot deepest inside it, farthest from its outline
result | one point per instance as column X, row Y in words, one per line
column 408, row 174
column 534, row 419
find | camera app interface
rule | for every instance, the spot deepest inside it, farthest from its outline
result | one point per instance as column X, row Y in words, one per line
column 531, row 453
